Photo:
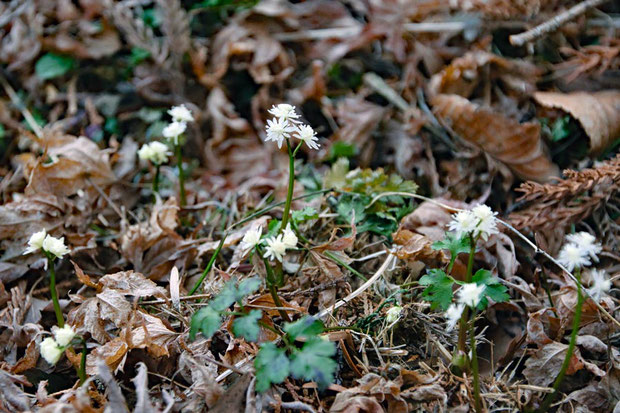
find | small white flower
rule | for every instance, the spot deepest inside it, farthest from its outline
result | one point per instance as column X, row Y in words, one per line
column 276, row 248
column 470, row 294
column 393, row 314
column 285, row 112
column 572, row 256
column 155, row 152
column 55, row 246
column 308, row 135
column 64, row 335
column 463, row 222
column 487, row 224
column 50, row 350
column 174, row 130
column 587, row 243
column 36, row 241
column 600, row 286
column 251, row 239
column 278, row 130
column 181, row 114
column 453, row 315
column 288, row 237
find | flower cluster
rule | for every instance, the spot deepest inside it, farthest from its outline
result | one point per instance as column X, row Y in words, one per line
column 155, row 152
column 276, row 246
column 579, row 250
column 180, row 116
column 468, row 295
column 480, row 222
column 52, row 347
column 286, row 124
column 43, row 241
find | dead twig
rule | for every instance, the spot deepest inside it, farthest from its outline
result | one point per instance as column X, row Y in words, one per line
column 553, row 24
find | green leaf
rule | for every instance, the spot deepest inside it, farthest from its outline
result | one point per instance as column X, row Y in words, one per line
column 304, row 328
column 247, row 326
column 305, row 214
column 247, row 287
column 439, row 290
column 494, row 290
column 342, row 149
column 225, row 298
column 336, row 176
column 453, row 244
column 272, row 366
column 52, row 65
column 314, row 362
column 206, row 320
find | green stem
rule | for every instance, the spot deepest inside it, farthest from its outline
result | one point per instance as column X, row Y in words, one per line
column 291, row 185
column 59, row 318
column 273, row 290
column 334, row 257
column 209, row 265
column 82, row 370
column 156, row 180
column 571, row 347
column 474, row 365
column 177, row 149
column 462, row 343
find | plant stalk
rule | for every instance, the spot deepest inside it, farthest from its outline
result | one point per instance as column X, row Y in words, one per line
column 462, row 343
column 291, row 186
column 474, row 365
column 59, row 318
column 82, row 370
column 273, row 290
column 177, row 149
column 571, row 347
column 209, row 265
column 156, row 180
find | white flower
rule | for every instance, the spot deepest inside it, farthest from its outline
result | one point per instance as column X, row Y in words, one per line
column 573, row 256
column 601, row 284
column 36, row 241
column 393, row 314
column 470, row 294
column 55, row 246
column 586, row 242
column 155, row 152
column 463, row 222
column 453, row 315
column 50, row 350
column 285, row 112
column 487, row 224
column 251, row 239
column 181, row 114
column 276, row 248
column 288, row 237
column 64, row 335
column 308, row 135
column 278, row 129
column 174, row 130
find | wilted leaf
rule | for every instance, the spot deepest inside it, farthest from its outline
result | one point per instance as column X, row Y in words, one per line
column 132, row 284
column 417, row 247
column 597, row 112
column 518, row 145
column 140, row 382
column 112, row 353
column 543, row 367
column 151, row 333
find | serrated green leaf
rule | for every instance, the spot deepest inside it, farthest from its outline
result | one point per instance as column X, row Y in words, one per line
column 454, row 244
column 494, row 290
column 247, row 287
column 52, row 65
column 439, row 289
column 305, row 214
column 225, row 298
column 305, row 328
column 206, row 320
column 272, row 366
column 314, row 362
column 247, row 326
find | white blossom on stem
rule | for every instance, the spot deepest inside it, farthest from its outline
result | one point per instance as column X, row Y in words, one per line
column 278, row 129
column 573, row 256
column 251, row 239
column 155, row 152
column 64, row 335
column 181, row 114
column 487, row 224
column 50, row 350
column 600, row 285
column 55, row 246
column 36, row 241
column 586, row 242
column 285, row 112
column 463, row 222
column 308, row 135
column 470, row 294
column 288, row 237
column 275, row 249
column 174, row 130
column 453, row 315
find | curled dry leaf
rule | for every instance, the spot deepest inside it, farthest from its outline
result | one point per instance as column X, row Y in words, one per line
column 417, row 247
column 113, row 354
column 544, row 365
column 598, row 113
column 518, row 145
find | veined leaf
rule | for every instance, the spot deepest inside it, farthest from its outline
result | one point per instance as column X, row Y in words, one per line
column 439, row 289
column 247, row 326
column 272, row 366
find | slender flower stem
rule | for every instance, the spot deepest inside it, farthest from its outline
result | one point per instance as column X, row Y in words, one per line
column 177, row 149
column 273, row 290
column 291, row 185
column 156, row 180
column 474, row 364
column 209, row 265
column 462, row 343
column 571, row 347
column 59, row 318
column 82, row 370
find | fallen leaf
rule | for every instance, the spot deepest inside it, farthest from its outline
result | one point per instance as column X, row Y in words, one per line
column 543, row 366
column 113, row 354
column 417, row 247
column 597, row 112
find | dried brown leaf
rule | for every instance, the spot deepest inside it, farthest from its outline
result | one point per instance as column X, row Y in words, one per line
column 417, row 247
column 597, row 112
column 543, row 366
column 112, row 353
column 518, row 145
column 151, row 333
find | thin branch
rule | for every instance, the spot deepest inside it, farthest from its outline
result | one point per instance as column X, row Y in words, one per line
column 554, row 23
